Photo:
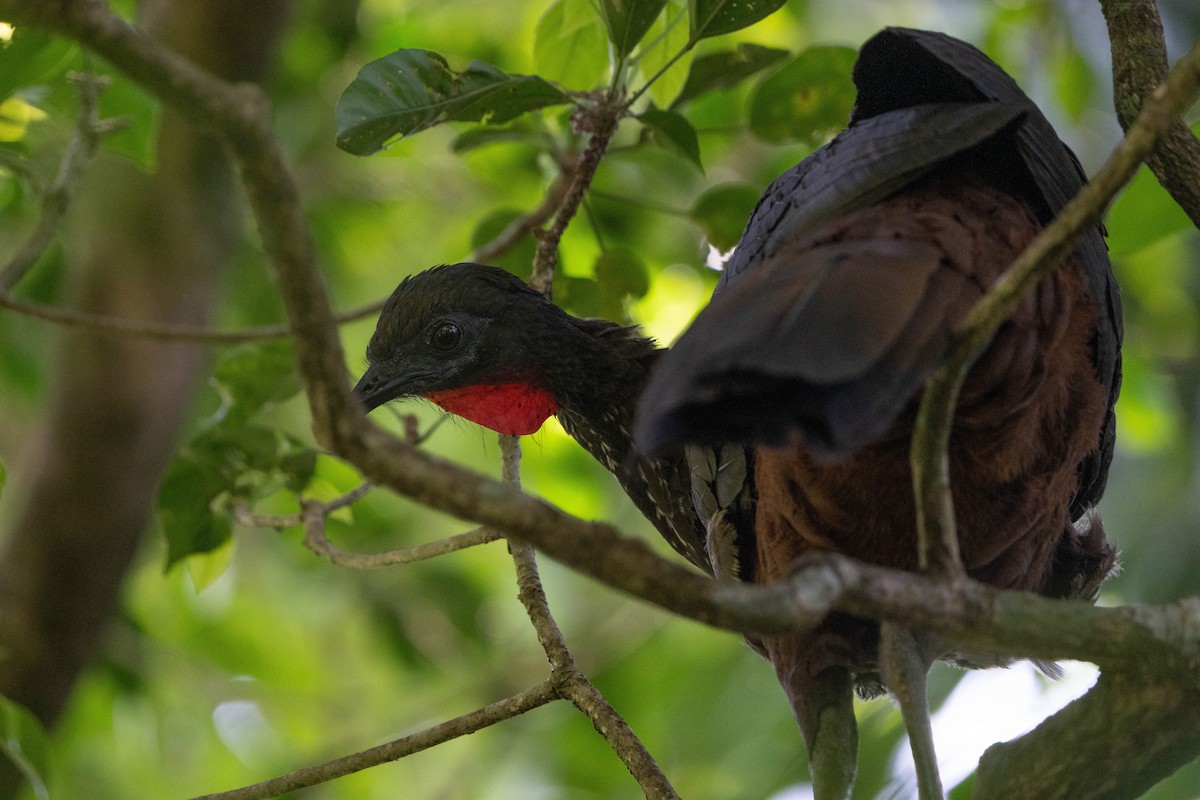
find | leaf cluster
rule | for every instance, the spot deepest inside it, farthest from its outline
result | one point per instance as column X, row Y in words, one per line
column 237, row 454
column 609, row 53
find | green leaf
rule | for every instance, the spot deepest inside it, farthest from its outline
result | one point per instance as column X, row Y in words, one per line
column 31, row 57
column 256, row 375
column 715, row 17
column 570, row 45
column 1074, row 83
column 26, row 744
column 298, row 468
column 660, row 58
column 628, row 20
column 726, row 69
column 230, row 449
column 15, row 117
column 411, row 90
column 519, row 259
column 620, row 273
column 670, row 128
column 808, row 99
column 580, row 296
column 3, row 476
column 205, row 568
column 722, row 212
column 1143, row 214
column 185, row 509
column 337, row 473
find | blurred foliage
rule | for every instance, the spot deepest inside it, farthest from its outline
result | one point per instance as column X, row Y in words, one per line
column 808, row 98
column 24, row 742
column 260, row 658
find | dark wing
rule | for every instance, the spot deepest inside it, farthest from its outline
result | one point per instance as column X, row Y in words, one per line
column 926, row 101
column 831, row 340
column 864, row 164
column 901, row 67
column 825, row 318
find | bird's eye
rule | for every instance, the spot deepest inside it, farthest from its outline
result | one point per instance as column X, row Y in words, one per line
column 445, row 337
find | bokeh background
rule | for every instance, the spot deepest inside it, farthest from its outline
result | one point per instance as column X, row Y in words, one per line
column 259, row 658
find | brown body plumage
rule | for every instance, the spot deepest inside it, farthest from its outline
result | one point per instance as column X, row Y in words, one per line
column 1029, row 413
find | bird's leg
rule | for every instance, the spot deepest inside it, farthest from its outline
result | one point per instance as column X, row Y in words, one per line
column 825, row 711
column 822, row 698
column 904, row 667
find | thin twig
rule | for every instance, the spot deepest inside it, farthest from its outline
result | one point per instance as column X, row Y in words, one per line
column 600, row 121
column 498, row 246
column 529, row 583
column 500, row 711
column 938, row 540
column 315, row 540
column 523, row 225
column 662, row 71
column 79, row 151
column 21, row 167
column 313, row 515
column 117, row 326
column 348, row 499
column 572, row 684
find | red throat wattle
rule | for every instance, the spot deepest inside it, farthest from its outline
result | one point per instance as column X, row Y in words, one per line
column 516, row 409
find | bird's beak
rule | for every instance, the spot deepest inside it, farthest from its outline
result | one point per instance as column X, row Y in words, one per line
column 375, row 388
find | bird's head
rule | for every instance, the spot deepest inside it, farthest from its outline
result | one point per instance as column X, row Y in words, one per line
column 464, row 336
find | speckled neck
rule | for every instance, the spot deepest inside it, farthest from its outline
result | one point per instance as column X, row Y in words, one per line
column 598, row 376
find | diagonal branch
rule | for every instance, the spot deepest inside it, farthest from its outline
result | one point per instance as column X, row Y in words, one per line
column 533, row 697
column 596, row 550
column 1084, row 750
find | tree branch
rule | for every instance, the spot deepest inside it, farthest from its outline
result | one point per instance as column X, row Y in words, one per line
column 107, row 325
column 312, row 517
column 314, row 539
column 572, row 684
column 545, row 692
column 523, row 225
column 1092, row 756
column 1139, row 64
column 600, row 121
column 594, row 549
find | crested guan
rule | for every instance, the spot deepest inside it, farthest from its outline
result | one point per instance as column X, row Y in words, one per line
column 779, row 424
